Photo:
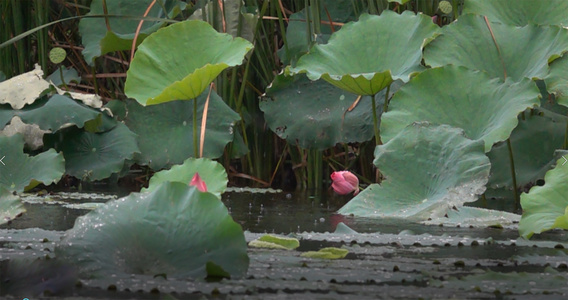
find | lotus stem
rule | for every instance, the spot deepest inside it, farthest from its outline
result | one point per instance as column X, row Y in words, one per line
column 375, row 121
column 386, row 104
column 513, row 174
column 195, row 148
column 61, row 77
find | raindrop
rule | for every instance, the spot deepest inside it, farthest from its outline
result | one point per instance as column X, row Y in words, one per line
column 322, row 220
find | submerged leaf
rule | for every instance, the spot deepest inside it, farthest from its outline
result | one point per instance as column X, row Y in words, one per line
column 173, row 230
column 428, row 169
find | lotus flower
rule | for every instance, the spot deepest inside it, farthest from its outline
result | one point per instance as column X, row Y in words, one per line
column 197, row 182
column 344, row 182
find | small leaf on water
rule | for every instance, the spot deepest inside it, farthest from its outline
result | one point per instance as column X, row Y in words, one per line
column 327, row 253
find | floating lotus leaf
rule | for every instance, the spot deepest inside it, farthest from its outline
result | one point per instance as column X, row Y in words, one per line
column 165, row 134
column 98, row 40
column 314, row 113
column 275, row 242
column 524, row 51
column 520, row 12
column 51, row 114
column 174, row 230
column 95, row 156
column 484, row 108
column 19, row 171
column 327, row 253
column 475, row 217
column 10, row 205
column 557, row 80
column 211, row 172
column 546, row 207
column 534, row 142
column 428, row 169
column 366, row 56
column 196, row 55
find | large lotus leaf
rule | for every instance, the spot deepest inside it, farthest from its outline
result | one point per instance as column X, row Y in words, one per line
column 19, row 171
column 10, row 206
column 98, row 40
column 557, row 80
column 366, row 56
column 524, row 51
column 297, row 39
column 196, row 54
column 314, row 113
column 520, row 12
column 23, row 89
column 212, row 172
column 546, row 207
column 534, row 142
column 428, row 169
column 95, row 156
column 175, row 230
column 51, row 114
column 165, row 134
column 485, row 108
column 475, row 217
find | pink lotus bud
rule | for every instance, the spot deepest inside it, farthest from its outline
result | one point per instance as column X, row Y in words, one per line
column 197, row 182
column 344, row 182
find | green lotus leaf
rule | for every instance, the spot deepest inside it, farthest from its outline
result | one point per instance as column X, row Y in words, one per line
column 98, row 40
column 19, row 171
column 275, row 242
column 523, row 51
column 475, row 217
column 314, row 113
column 174, row 230
column 165, row 134
column 520, row 12
column 366, row 56
column 297, row 39
column 546, row 207
column 212, row 172
column 51, row 114
column 95, row 156
column 327, row 253
column 534, row 142
column 10, row 205
column 557, row 80
column 484, row 108
column 428, row 169
column 200, row 53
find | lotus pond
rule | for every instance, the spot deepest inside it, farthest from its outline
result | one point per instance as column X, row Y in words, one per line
column 387, row 258
column 145, row 162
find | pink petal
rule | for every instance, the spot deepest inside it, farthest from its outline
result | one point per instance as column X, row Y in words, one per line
column 196, row 181
column 344, row 182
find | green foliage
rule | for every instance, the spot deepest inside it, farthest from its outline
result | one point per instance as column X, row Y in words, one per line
column 546, row 207
column 365, row 57
column 275, row 242
column 10, row 206
column 211, row 172
column 164, row 131
column 20, row 172
column 327, row 253
column 104, row 35
column 484, row 108
column 200, row 52
column 174, row 230
column 316, row 113
column 520, row 12
column 505, row 51
column 429, row 170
